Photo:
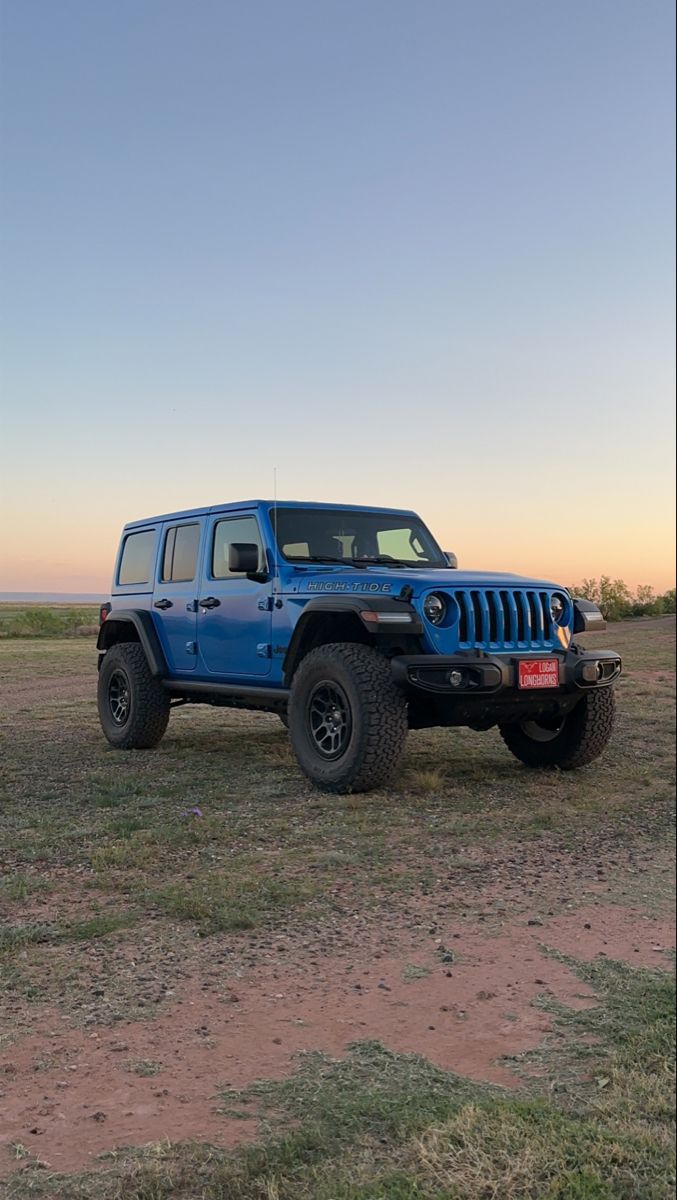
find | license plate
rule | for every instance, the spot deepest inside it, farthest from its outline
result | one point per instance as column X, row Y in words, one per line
column 538, row 673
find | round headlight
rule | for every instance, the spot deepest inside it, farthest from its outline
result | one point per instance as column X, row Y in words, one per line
column 434, row 608
column 557, row 608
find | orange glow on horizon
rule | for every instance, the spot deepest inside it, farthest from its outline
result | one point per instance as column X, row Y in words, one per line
column 567, row 554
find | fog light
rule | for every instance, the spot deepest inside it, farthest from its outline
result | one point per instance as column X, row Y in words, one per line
column 455, row 678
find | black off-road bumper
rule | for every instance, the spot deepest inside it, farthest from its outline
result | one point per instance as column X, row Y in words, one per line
column 481, row 676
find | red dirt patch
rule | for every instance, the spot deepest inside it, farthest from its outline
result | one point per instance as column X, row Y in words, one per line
column 69, row 1095
column 620, row 933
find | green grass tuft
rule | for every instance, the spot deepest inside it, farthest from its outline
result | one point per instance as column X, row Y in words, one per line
column 35, row 933
column 232, row 902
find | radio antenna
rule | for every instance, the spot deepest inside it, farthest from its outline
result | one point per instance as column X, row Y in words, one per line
column 275, row 579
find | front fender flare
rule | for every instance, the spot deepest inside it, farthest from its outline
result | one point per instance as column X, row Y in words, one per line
column 356, row 606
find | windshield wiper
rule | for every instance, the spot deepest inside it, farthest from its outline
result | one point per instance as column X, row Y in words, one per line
column 326, row 558
column 388, row 561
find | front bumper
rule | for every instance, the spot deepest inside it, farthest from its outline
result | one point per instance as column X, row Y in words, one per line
column 485, row 675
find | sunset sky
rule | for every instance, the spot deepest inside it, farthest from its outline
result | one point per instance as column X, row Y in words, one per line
column 417, row 254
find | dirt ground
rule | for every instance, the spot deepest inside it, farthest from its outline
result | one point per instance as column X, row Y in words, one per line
column 452, row 963
column 68, row 1095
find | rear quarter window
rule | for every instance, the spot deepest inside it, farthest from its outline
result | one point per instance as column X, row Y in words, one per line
column 136, row 562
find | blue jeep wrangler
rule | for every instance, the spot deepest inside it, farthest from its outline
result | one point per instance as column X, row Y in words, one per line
column 353, row 626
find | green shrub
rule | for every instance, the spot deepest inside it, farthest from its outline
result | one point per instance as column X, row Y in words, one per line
column 616, row 601
column 44, row 622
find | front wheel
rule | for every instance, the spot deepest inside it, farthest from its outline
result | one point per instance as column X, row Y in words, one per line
column 568, row 742
column 133, row 705
column 347, row 719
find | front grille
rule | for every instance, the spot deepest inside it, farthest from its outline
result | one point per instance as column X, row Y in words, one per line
column 504, row 619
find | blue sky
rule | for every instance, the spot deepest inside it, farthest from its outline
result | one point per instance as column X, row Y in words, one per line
column 410, row 253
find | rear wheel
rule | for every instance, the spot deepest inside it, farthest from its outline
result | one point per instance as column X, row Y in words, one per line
column 133, row 705
column 347, row 719
column 571, row 741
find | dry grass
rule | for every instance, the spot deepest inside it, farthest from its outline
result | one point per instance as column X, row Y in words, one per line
column 105, row 858
column 118, row 837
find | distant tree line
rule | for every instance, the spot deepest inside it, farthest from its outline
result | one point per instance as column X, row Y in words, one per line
column 617, row 601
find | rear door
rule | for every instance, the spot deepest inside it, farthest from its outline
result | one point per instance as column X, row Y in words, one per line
column 175, row 592
column 234, row 612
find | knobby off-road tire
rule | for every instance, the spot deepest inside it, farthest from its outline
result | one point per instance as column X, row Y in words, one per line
column 366, row 743
column 581, row 737
column 133, row 705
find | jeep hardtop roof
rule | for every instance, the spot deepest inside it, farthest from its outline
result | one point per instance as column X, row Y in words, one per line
column 237, row 505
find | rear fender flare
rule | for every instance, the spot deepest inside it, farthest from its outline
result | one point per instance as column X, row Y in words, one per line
column 117, row 628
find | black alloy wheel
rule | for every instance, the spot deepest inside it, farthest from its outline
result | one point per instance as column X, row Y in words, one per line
column 329, row 719
column 119, row 698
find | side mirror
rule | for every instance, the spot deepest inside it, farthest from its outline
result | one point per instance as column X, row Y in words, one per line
column 451, row 558
column 243, row 558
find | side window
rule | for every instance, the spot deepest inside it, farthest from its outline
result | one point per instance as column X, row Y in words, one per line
column 233, row 529
column 179, row 561
column 136, row 564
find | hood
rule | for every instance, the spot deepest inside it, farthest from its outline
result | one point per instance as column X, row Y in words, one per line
column 313, row 579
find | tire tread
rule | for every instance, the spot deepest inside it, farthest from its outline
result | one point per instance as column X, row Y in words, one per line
column 150, row 701
column 384, row 717
column 586, row 733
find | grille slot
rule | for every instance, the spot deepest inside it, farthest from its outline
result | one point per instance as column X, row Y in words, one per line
column 513, row 618
column 509, row 616
column 548, row 623
column 536, row 620
column 463, row 624
column 494, row 610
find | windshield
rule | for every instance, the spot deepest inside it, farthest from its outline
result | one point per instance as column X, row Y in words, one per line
column 354, row 538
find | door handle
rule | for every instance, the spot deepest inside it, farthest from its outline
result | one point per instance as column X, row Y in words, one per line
column 162, row 604
column 209, row 602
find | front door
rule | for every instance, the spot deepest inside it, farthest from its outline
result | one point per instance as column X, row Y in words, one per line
column 234, row 612
column 175, row 593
